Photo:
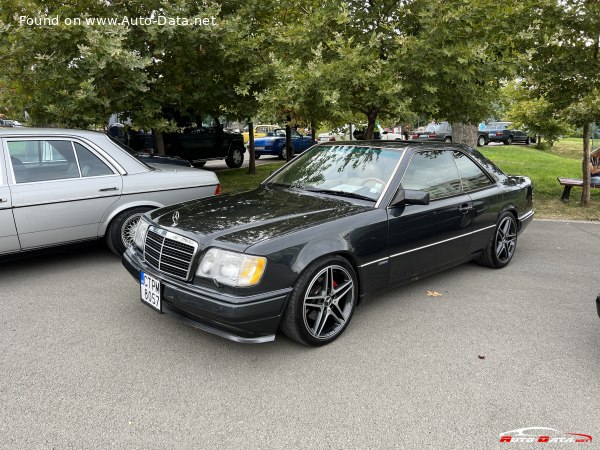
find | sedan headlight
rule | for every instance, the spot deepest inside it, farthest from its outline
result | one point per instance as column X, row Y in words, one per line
column 233, row 269
column 140, row 233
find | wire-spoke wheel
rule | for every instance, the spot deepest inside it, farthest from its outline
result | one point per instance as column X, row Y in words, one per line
column 322, row 302
column 503, row 244
column 121, row 231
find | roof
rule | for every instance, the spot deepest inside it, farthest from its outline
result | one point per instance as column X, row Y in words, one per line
column 28, row 131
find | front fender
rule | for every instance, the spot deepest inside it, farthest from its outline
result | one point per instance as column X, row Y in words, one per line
column 117, row 209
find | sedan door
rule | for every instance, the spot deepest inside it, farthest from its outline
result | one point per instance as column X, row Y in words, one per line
column 427, row 238
column 60, row 190
column 9, row 241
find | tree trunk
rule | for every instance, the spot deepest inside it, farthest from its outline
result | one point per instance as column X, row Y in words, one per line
column 313, row 131
column 252, row 161
column 371, row 118
column 585, row 191
column 288, row 142
column 465, row 133
column 160, row 143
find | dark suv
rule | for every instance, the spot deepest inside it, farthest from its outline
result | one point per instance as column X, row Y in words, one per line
column 196, row 145
column 505, row 133
column 201, row 144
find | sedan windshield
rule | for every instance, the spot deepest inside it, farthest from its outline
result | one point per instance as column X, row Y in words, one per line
column 342, row 170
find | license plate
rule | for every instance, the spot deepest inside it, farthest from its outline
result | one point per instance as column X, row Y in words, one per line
column 259, row 148
column 492, row 134
column 150, row 290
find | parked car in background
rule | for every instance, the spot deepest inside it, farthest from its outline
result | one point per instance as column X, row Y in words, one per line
column 196, row 145
column 201, row 144
column 435, row 131
column 337, row 134
column 391, row 134
column 274, row 143
column 339, row 222
column 505, row 133
column 62, row 186
column 442, row 131
column 10, row 123
column 260, row 131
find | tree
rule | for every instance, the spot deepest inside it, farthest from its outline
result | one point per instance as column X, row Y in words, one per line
column 565, row 65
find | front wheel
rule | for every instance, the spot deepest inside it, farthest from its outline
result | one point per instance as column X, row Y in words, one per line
column 322, row 302
column 509, row 140
column 121, row 231
column 480, row 141
column 235, row 158
column 502, row 246
column 447, row 139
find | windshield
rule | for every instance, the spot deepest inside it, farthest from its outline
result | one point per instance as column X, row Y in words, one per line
column 436, row 127
column 341, row 169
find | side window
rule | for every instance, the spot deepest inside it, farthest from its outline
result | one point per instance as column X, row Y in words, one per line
column 90, row 164
column 42, row 160
column 473, row 178
column 295, row 134
column 434, row 172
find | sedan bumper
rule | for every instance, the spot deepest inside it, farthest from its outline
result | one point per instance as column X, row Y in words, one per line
column 251, row 319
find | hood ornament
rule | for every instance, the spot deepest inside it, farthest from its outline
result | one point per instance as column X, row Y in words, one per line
column 175, row 218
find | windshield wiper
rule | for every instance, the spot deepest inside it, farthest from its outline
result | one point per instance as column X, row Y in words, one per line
column 341, row 194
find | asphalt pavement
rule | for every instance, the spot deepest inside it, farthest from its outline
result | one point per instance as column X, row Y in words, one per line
column 83, row 364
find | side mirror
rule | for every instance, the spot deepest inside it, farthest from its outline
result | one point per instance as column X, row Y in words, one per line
column 410, row 197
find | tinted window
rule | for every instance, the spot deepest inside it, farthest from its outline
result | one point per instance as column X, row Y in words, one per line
column 473, row 178
column 90, row 164
column 42, row 160
column 434, row 172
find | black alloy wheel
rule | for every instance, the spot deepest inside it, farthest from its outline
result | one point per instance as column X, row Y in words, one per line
column 322, row 302
column 502, row 246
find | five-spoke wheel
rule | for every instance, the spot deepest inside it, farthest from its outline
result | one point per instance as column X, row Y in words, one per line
column 503, row 243
column 322, row 302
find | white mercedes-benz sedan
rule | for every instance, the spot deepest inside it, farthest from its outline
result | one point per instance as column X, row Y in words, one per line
column 62, row 186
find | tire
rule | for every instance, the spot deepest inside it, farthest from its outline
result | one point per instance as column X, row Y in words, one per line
column 527, row 141
column 480, row 141
column 509, row 141
column 235, row 158
column 282, row 154
column 447, row 139
column 257, row 156
column 199, row 165
column 320, row 318
column 119, row 234
column 503, row 243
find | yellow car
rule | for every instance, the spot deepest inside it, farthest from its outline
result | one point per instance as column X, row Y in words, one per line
column 260, row 131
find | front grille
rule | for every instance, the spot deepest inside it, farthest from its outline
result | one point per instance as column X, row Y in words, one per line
column 169, row 253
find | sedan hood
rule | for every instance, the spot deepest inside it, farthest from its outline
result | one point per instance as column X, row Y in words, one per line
column 250, row 217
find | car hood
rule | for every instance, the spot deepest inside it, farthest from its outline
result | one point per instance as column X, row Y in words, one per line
column 247, row 218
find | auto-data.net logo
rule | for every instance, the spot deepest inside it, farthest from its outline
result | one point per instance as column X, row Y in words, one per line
column 532, row 435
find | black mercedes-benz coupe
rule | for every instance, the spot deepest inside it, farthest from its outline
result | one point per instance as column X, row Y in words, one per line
column 339, row 222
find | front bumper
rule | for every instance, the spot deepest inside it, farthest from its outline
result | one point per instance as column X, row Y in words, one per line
column 251, row 319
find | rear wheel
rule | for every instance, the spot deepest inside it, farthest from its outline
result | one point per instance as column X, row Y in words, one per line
column 448, row 139
column 527, row 141
column 257, row 156
column 481, row 141
column 502, row 246
column 283, row 155
column 322, row 302
column 235, row 158
column 509, row 140
column 121, row 231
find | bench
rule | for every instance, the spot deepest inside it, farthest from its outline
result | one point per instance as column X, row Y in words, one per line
column 568, row 183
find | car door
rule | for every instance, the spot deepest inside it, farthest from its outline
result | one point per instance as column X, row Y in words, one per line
column 426, row 238
column 60, row 190
column 299, row 142
column 9, row 241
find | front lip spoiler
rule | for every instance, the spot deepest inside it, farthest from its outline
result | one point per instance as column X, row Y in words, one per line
column 201, row 326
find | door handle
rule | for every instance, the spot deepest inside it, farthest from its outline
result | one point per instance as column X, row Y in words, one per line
column 109, row 189
column 465, row 208
column 3, row 200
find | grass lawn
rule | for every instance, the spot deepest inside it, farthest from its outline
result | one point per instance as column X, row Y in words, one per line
column 542, row 166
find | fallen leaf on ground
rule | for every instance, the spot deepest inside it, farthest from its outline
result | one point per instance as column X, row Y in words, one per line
column 433, row 294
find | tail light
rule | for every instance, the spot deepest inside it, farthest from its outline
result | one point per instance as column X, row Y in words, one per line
column 432, row 135
column 414, row 136
column 499, row 133
column 218, row 189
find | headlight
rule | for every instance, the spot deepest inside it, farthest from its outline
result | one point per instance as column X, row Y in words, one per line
column 140, row 233
column 233, row 269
